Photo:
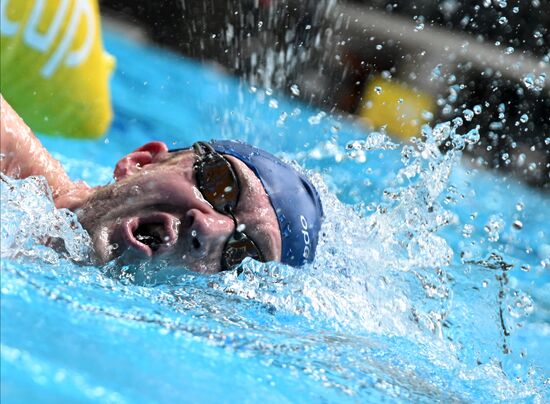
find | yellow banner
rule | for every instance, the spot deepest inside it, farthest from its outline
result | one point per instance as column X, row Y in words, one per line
column 54, row 70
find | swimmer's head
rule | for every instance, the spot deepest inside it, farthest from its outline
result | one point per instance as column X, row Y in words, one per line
column 157, row 210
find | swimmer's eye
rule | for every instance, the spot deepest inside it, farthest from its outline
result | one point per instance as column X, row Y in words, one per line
column 219, row 186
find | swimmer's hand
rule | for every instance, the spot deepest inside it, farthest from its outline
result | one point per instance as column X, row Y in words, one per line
column 22, row 155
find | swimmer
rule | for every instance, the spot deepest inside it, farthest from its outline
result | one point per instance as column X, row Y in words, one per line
column 207, row 207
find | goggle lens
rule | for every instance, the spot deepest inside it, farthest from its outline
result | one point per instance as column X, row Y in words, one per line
column 219, row 186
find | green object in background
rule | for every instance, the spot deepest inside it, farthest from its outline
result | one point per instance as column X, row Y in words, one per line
column 54, row 71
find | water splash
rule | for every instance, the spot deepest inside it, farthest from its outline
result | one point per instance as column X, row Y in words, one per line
column 33, row 228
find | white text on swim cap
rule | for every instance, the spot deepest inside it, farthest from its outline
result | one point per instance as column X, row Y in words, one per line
column 305, row 234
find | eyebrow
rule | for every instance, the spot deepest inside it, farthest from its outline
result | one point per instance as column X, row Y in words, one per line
column 265, row 243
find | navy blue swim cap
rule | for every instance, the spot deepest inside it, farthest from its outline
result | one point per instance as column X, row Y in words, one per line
column 293, row 197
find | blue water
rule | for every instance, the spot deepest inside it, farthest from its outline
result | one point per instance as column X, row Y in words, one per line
column 431, row 283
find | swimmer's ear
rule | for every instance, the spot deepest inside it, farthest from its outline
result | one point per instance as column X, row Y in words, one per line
column 139, row 158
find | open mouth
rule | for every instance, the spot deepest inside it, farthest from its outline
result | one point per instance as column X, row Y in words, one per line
column 151, row 234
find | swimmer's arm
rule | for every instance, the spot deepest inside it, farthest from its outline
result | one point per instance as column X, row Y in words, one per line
column 22, row 155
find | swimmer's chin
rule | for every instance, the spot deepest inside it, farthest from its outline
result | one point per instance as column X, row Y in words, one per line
column 104, row 250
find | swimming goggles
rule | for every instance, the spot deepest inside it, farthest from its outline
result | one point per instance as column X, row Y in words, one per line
column 219, row 186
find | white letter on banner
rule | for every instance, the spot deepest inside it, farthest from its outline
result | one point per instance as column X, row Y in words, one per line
column 36, row 40
column 82, row 7
column 7, row 27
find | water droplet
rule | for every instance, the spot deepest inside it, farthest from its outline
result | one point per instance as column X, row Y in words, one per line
column 529, row 81
column 468, row 114
column 472, row 136
column 228, row 189
column 493, row 227
column 518, row 225
column 436, row 72
column 282, row 119
column 295, row 90
column 524, row 118
column 241, row 227
column 467, row 230
column 378, row 90
column 427, row 115
column 316, row 119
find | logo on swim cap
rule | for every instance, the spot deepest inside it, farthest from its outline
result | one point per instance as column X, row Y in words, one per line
column 305, row 233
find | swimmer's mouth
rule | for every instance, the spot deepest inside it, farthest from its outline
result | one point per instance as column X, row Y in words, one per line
column 151, row 235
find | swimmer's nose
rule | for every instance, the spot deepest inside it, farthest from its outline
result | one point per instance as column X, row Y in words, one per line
column 207, row 232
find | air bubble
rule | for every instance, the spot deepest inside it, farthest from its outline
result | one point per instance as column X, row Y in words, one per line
column 241, row 227
column 378, row 90
column 477, row 109
column 502, row 20
column 468, row 114
column 295, row 90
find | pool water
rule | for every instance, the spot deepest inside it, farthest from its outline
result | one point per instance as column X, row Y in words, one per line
column 431, row 282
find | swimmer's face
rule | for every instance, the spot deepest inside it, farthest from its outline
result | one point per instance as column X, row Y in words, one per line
column 155, row 212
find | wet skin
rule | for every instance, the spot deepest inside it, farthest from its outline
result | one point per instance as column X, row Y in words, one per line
column 155, row 212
